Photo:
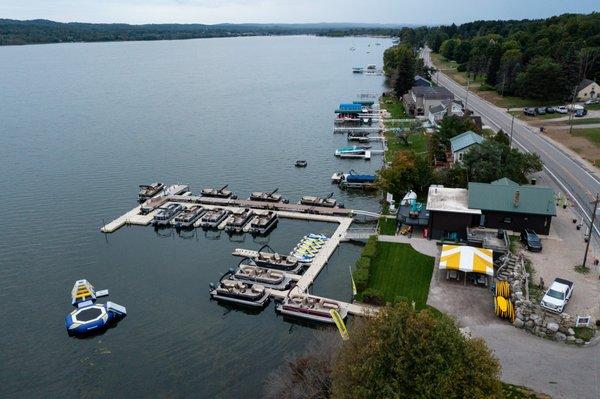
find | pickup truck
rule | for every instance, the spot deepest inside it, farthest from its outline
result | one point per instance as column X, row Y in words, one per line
column 556, row 297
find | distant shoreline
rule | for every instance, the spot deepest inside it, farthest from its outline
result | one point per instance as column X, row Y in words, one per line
column 16, row 33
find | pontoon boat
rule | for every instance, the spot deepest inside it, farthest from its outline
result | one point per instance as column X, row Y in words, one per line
column 213, row 218
column 187, row 218
column 263, row 223
column 164, row 215
column 309, row 307
column 238, row 219
column 238, row 292
column 148, row 191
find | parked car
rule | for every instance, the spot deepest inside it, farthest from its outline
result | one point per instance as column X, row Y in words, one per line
column 531, row 240
column 540, row 110
column 550, row 110
column 529, row 111
column 580, row 112
column 592, row 101
column 556, row 297
column 561, row 109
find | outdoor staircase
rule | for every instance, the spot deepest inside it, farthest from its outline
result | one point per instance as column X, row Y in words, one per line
column 507, row 268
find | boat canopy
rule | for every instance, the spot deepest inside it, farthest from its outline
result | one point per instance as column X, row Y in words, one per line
column 351, row 106
column 364, row 102
column 467, row 259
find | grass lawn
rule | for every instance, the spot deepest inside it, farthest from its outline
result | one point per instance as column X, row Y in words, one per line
column 394, row 107
column 593, row 106
column 387, row 226
column 417, row 142
column 399, row 271
column 587, row 121
column 521, row 115
column 592, row 135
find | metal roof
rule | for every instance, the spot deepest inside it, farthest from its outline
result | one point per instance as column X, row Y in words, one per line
column 465, row 140
column 504, row 195
column 432, row 93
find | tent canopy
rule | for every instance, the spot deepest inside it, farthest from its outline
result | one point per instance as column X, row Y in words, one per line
column 467, row 259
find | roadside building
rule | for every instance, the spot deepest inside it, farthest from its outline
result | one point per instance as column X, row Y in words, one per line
column 449, row 213
column 507, row 205
column 463, row 143
column 418, row 100
column 436, row 113
column 421, row 81
column 587, row 90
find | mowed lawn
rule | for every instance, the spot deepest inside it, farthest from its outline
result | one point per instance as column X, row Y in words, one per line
column 592, row 135
column 400, row 271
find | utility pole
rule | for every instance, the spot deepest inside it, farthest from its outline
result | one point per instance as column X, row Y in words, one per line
column 572, row 111
column 467, row 96
column 587, row 245
column 512, row 124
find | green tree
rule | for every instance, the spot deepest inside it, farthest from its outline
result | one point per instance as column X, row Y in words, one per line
column 510, row 66
column 493, row 67
column 404, row 75
column 541, row 80
column 494, row 159
column 462, row 52
column 402, row 353
column 447, row 48
column 454, row 125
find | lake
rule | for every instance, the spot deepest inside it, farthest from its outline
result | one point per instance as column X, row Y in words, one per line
column 82, row 125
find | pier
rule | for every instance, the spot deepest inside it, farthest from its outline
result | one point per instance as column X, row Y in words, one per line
column 343, row 217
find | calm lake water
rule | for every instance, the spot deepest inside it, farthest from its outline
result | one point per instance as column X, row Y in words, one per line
column 81, row 125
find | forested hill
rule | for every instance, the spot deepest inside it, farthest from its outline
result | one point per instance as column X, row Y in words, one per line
column 543, row 58
column 13, row 32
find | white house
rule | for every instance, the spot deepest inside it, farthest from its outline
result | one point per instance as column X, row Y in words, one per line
column 463, row 143
column 587, row 90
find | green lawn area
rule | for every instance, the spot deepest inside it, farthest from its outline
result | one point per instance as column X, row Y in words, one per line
column 394, row 107
column 587, row 121
column 399, row 271
column 585, row 333
column 592, row 135
column 593, row 106
column 387, row 226
column 417, row 142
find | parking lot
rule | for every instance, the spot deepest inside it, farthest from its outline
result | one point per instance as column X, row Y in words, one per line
column 562, row 250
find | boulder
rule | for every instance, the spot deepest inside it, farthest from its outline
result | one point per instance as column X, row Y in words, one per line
column 579, row 341
column 529, row 324
column 570, row 331
column 560, row 336
column 519, row 323
column 571, row 339
column 552, row 326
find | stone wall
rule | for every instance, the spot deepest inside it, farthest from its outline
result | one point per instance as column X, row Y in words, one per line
column 531, row 316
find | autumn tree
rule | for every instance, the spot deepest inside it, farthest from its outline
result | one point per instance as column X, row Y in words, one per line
column 407, row 171
column 401, row 353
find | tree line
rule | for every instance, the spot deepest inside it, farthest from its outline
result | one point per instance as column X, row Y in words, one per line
column 540, row 59
column 14, row 32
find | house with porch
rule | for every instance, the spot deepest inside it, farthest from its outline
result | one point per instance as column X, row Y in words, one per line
column 463, row 143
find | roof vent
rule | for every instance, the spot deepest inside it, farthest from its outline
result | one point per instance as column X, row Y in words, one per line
column 516, row 198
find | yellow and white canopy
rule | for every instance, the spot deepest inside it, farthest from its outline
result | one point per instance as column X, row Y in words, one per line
column 467, row 259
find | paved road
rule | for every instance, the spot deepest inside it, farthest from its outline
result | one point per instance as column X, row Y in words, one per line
column 572, row 175
column 557, row 369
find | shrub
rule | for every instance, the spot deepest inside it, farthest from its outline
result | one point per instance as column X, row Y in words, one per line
column 361, row 278
column 370, row 249
column 461, row 68
column 373, row 296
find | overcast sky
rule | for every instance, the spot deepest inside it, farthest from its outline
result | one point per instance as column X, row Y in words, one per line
column 217, row 11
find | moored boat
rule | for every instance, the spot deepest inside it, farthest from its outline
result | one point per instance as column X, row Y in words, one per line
column 301, row 163
column 310, row 307
column 213, row 218
column 188, row 217
column 237, row 220
column 328, row 201
column 353, row 151
column 267, row 197
column 263, row 223
column 249, row 272
column 164, row 215
column 267, row 257
column 148, row 191
column 222, row 192
column 238, row 292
